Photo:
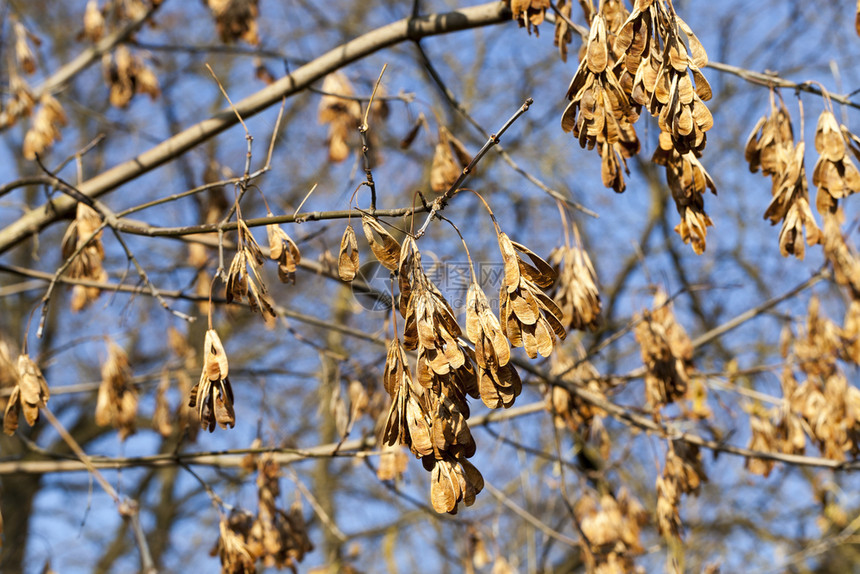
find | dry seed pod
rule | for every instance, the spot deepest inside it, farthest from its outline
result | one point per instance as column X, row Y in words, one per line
column 343, row 115
column 484, row 330
column 790, row 204
column 450, row 157
column 567, row 408
column 347, row 260
column 88, row 263
column 529, row 13
column 600, row 113
column 771, row 142
column 408, row 421
column 29, row 395
column 835, row 174
column 283, row 250
column 386, row 249
column 529, row 318
column 667, row 353
column 276, row 537
column 232, row 544
column 392, row 463
column 24, row 57
column 499, row 386
column 242, row 285
column 117, row 398
column 576, row 288
column 689, row 181
column 453, row 481
column 763, row 440
column 213, row 395
column 650, row 44
column 94, row 22
column 126, row 74
column 235, row 20
column 563, row 31
column 45, row 129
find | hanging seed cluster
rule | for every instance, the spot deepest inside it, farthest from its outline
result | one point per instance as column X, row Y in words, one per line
column 648, row 58
column 688, row 181
column 429, row 411
column 568, row 410
column 236, row 20
column 529, row 317
column 601, row 112
column 819, row 404
column 771, row 148
column 683, row 473
column 213, row 395
column 283, row 250
column 667, row 353
column 450, row 157
column 341, row 110
column 116, row 404
column 612, row 523
column 84, row 236
column 276, row 537
column 575, row 290
column 242, row 285
column 29, row 394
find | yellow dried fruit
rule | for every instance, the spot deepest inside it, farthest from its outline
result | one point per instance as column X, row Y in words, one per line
column 213, row 395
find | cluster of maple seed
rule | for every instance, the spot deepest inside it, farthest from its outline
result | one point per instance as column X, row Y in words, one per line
column 645, row 58
column 126, row 73
column 429, row 411
column 822, row 407
column 274, row 536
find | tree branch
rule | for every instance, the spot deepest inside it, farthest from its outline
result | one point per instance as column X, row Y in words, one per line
column 397, row 32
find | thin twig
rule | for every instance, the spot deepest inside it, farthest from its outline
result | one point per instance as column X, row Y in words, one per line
column 128, row 509
column 440, row 202
column 365, row 145
column 318, row 509
column 455, row 103
column 529, row 517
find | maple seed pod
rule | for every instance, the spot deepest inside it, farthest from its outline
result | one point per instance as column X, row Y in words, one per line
column 117, row 397
column 667, row 353
column 347, row 259
column 529, row 13
column 450, row 157
column 29, row 395
column 342, row 114
column 529, row 318
column 242, row 285
column 689, row 181
column 235, row 20
column 283, row 250
column 386, row 249
column 213, row 395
